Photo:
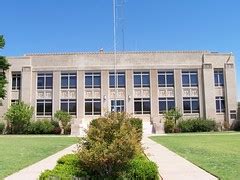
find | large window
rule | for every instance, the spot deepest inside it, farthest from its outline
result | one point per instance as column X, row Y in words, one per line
column 44, row 107
column 141, row 79
column 68, row 80
column 69, row 105
column 92, row 80
column 166, row 104
column 16, row 81
column 119, row 105
column 92, row 107
column 165, row 79
column 220, row 104
column 189, row 79
column 218, row 77
column 120, row 80
column 190, row 105
column 44, row 81
column 142, row 106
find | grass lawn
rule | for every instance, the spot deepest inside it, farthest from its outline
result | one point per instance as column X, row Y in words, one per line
column 217, row 153
column 17, row 152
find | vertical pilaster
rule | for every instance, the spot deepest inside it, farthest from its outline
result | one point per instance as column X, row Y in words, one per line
column 56, row 91
column 154, row 94
column 104, row 92
column 129, row 91
column 26, row 91
column 178, row 89
column 80, row 96
column 34, row 91
column 200, row 93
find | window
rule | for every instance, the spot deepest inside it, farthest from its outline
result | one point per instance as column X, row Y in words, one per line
column 119, row 105
column 233, row 114
column 68, row 80
column 92, row 107
column 142, row 106
column 165, row 79
column 44, row 81
column 69, row 105
column 16, row 81
column 190, row 105
column 14, row 101
column 189, row 79
column 218, row 77
column 220, row 104
column 44, row 107
column 120, row 78
column 166, row 104
column 141, row 79
column 92, row 80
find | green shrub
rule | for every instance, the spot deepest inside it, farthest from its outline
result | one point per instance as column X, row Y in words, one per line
column 64, row 118
column 169, row 126
column 67, row 168
column 110, row 143
column 2, row 127
column 236, row 125
column 56, row 129
column 197, row 125
column 43, row 126
column 137, row 124
column 141, row 168
column 18, row 118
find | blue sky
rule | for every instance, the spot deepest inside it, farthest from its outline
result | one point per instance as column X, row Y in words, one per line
column 86, row 25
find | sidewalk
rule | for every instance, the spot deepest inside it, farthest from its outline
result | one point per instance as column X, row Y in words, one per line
column 32, row 172
column 171, row 166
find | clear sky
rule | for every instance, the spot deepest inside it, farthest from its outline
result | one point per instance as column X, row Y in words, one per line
column 149, row 25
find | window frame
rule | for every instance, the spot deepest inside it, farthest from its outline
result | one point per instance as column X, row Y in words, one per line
column 220, row 100
column 68, row 102
column 44, row 102
column 69, row 75
column 118, row 74
column 142, row 101
column 141, row 74
column 45, row 76
column 166, row 74
column 218, row 73
column 18, row 79
column 190, row 73
column 121, row 105
column 93, row 103
column 166, row 100
column 191, row 100
column 93, row 75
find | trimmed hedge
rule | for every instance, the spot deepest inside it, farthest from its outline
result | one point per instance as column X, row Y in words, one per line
column 197, row 125
column 44, row 126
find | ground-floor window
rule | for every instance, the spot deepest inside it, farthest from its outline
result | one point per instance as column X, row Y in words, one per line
column 166, row 104
column 92, row 107
column 69, row 105
column 142, row 106
column 118, row 104
column 44, row 107
column 191, row 105
column 220, row 104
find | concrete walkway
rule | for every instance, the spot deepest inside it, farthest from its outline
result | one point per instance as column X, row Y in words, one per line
column 32, row 172
column 171, row 166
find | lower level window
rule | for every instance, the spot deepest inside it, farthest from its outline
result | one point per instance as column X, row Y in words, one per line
column 190, row 105
column 14, row 101
column 69, row 105
column 118, row 104
column 142, row 106
column 92, row 107
column 166, row 104
column 220, row 104
column 44, row 107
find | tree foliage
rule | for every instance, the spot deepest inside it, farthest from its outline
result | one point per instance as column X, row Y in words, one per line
column 18, row 118
column 4, row 65
column 64, row 118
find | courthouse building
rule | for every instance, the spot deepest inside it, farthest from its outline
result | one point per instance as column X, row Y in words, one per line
column 198, row 83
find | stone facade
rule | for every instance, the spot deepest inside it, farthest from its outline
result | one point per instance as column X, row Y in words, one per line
column 200, row 91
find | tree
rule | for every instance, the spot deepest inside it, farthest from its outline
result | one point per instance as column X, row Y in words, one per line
column 171, row 117
column 4, row 65
column 64, row 118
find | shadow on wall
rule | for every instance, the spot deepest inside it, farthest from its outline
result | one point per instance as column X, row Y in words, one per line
column 238, row 111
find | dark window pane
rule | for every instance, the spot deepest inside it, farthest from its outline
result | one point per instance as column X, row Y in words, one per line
column 48, row 108
column 217, row 106
column 137, row 81
column 48, row 82
column 145, row 79
column 171, row 105
column 64, row 106
column 146, row 107
column 73, row 82
column 64, row 82
column 161, row 80
column 221, row 80
column 18, row 82
column 40, row 82
column 88, row 108
column 185, row 80
column 162, row 106
column 97, row 81
column 216, row 79
column 112, row 81
column 223, row 105
column 14, row 83
column 195, row 106
column 137, row 107
column 40, row 108
column 186, row 106
column 72, row 108
column 170, row 80
column 194, row 80
column 97, row 108
column 121, row 81
column 88, row 81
